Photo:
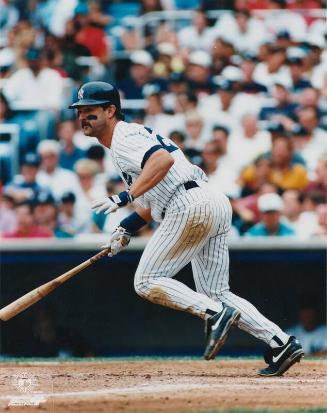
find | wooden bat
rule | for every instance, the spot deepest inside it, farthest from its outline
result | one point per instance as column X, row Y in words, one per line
column 19, row 305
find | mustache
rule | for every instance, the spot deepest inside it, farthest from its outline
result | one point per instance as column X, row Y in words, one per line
column 84, row 123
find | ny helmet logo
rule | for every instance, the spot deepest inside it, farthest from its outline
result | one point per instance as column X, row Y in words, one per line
column 80, row 93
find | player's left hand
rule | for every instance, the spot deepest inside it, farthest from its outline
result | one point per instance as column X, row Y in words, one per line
column 112, row 203
column 119, row 240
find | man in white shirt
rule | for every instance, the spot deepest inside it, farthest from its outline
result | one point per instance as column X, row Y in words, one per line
column 247, row 143
column 36, row 86
column 198, row 35
column 57, row 180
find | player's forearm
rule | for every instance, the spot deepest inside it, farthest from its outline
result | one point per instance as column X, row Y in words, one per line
column 155, row 169
column 145, row 213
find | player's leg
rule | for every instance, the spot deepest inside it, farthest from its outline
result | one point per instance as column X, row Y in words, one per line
column 179, row 237
column 211, row 276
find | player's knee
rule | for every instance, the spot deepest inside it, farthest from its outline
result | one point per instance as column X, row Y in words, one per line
column 140, row 287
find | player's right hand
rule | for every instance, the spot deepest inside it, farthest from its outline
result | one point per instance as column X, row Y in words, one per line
column 118, row 241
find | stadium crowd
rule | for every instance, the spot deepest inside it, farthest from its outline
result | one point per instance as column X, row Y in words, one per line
column 243, row 92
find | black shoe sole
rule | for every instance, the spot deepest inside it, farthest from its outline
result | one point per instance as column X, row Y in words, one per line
column 294, row 358
column 231, row 322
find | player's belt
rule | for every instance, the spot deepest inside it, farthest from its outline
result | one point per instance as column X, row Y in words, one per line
column 190, row 184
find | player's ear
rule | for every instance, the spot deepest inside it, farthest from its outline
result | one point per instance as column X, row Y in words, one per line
column 111, row 110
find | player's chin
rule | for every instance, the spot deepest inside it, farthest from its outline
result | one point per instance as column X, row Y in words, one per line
column 87, row 131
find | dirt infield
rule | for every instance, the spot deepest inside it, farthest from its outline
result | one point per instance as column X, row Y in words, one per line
column 159, row 386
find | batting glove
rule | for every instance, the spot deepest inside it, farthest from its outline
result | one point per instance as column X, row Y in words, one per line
column 112, row 203
column 119, row 240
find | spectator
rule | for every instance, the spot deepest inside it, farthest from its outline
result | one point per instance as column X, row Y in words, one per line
column 198, row 74
column 69, row 152
column 36, row 86
column 51, row 176
column 248, row 143
column 273, row 71
column 270, row 207
column 7, row 214
column 282, row 19
column 220, row 177
column 198, row 35
column 296, row 69
column 314, row 145
column 255, row 175
column 310, row 330
column 155, row 118
column 285, row 174
column 249, row 85
column 319, row 183
column 322, row 220
column 219, row 107
column 25, row 186
column 195, row 131
column 281, row 107
column 140, row 74
column 46, row 214
column 245, row 32
column 26, row 225
column 86, row 170
column 67, row 219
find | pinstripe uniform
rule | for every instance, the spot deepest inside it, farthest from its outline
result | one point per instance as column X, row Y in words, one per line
column 194, row 227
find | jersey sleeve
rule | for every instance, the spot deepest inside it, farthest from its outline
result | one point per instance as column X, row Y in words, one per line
column 135, row 149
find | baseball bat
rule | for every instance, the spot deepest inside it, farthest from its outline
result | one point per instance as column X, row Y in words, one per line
column 19, row 305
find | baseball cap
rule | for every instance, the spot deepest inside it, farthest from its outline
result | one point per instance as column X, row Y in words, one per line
column 200, row 58
column 270, row 202
column 275, row 127
column 232, row 73
column 31, row 159
column 223, row 84
column 150, row 89
column 141, row 57
column 166, row 48
column 43, row 198
column 68, row 197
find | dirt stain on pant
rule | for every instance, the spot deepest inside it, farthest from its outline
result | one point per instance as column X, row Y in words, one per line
column 195, row 230
column 158, row 296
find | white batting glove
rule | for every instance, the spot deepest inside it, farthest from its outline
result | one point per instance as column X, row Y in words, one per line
column 118, row 241
column 112, row 203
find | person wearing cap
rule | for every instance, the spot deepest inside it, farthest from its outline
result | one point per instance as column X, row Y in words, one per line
column 140, row 73
column 25, row 186
column 198, row 73
column 35, row 86
column 273, row 69
column 296, row 69
column 283, row 107
column 58, row 180
column 249, row 85
column 270, row 207
column 166, row 60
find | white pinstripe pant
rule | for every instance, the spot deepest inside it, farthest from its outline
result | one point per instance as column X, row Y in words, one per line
column 195, row 230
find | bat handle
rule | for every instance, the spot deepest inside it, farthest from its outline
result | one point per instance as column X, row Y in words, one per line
column 99, row 255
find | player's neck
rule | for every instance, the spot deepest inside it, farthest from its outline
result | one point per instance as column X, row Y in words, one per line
column 107, row 138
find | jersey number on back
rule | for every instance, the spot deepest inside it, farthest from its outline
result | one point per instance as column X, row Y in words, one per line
column 169, row 147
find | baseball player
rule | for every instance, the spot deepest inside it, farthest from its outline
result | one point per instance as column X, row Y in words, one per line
column 194, row 224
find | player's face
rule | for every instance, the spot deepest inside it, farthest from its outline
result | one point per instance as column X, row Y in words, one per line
column 92, row 120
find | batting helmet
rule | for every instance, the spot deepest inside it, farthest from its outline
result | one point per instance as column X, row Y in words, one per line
column 98, row 94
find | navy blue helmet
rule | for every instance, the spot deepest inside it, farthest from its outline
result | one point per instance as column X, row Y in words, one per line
column 98, row 94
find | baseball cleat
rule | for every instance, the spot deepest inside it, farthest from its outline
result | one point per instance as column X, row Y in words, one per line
column 280, row 359
column 217, row 328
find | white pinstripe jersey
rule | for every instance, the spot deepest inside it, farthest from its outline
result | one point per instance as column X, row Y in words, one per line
column 132, row 144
